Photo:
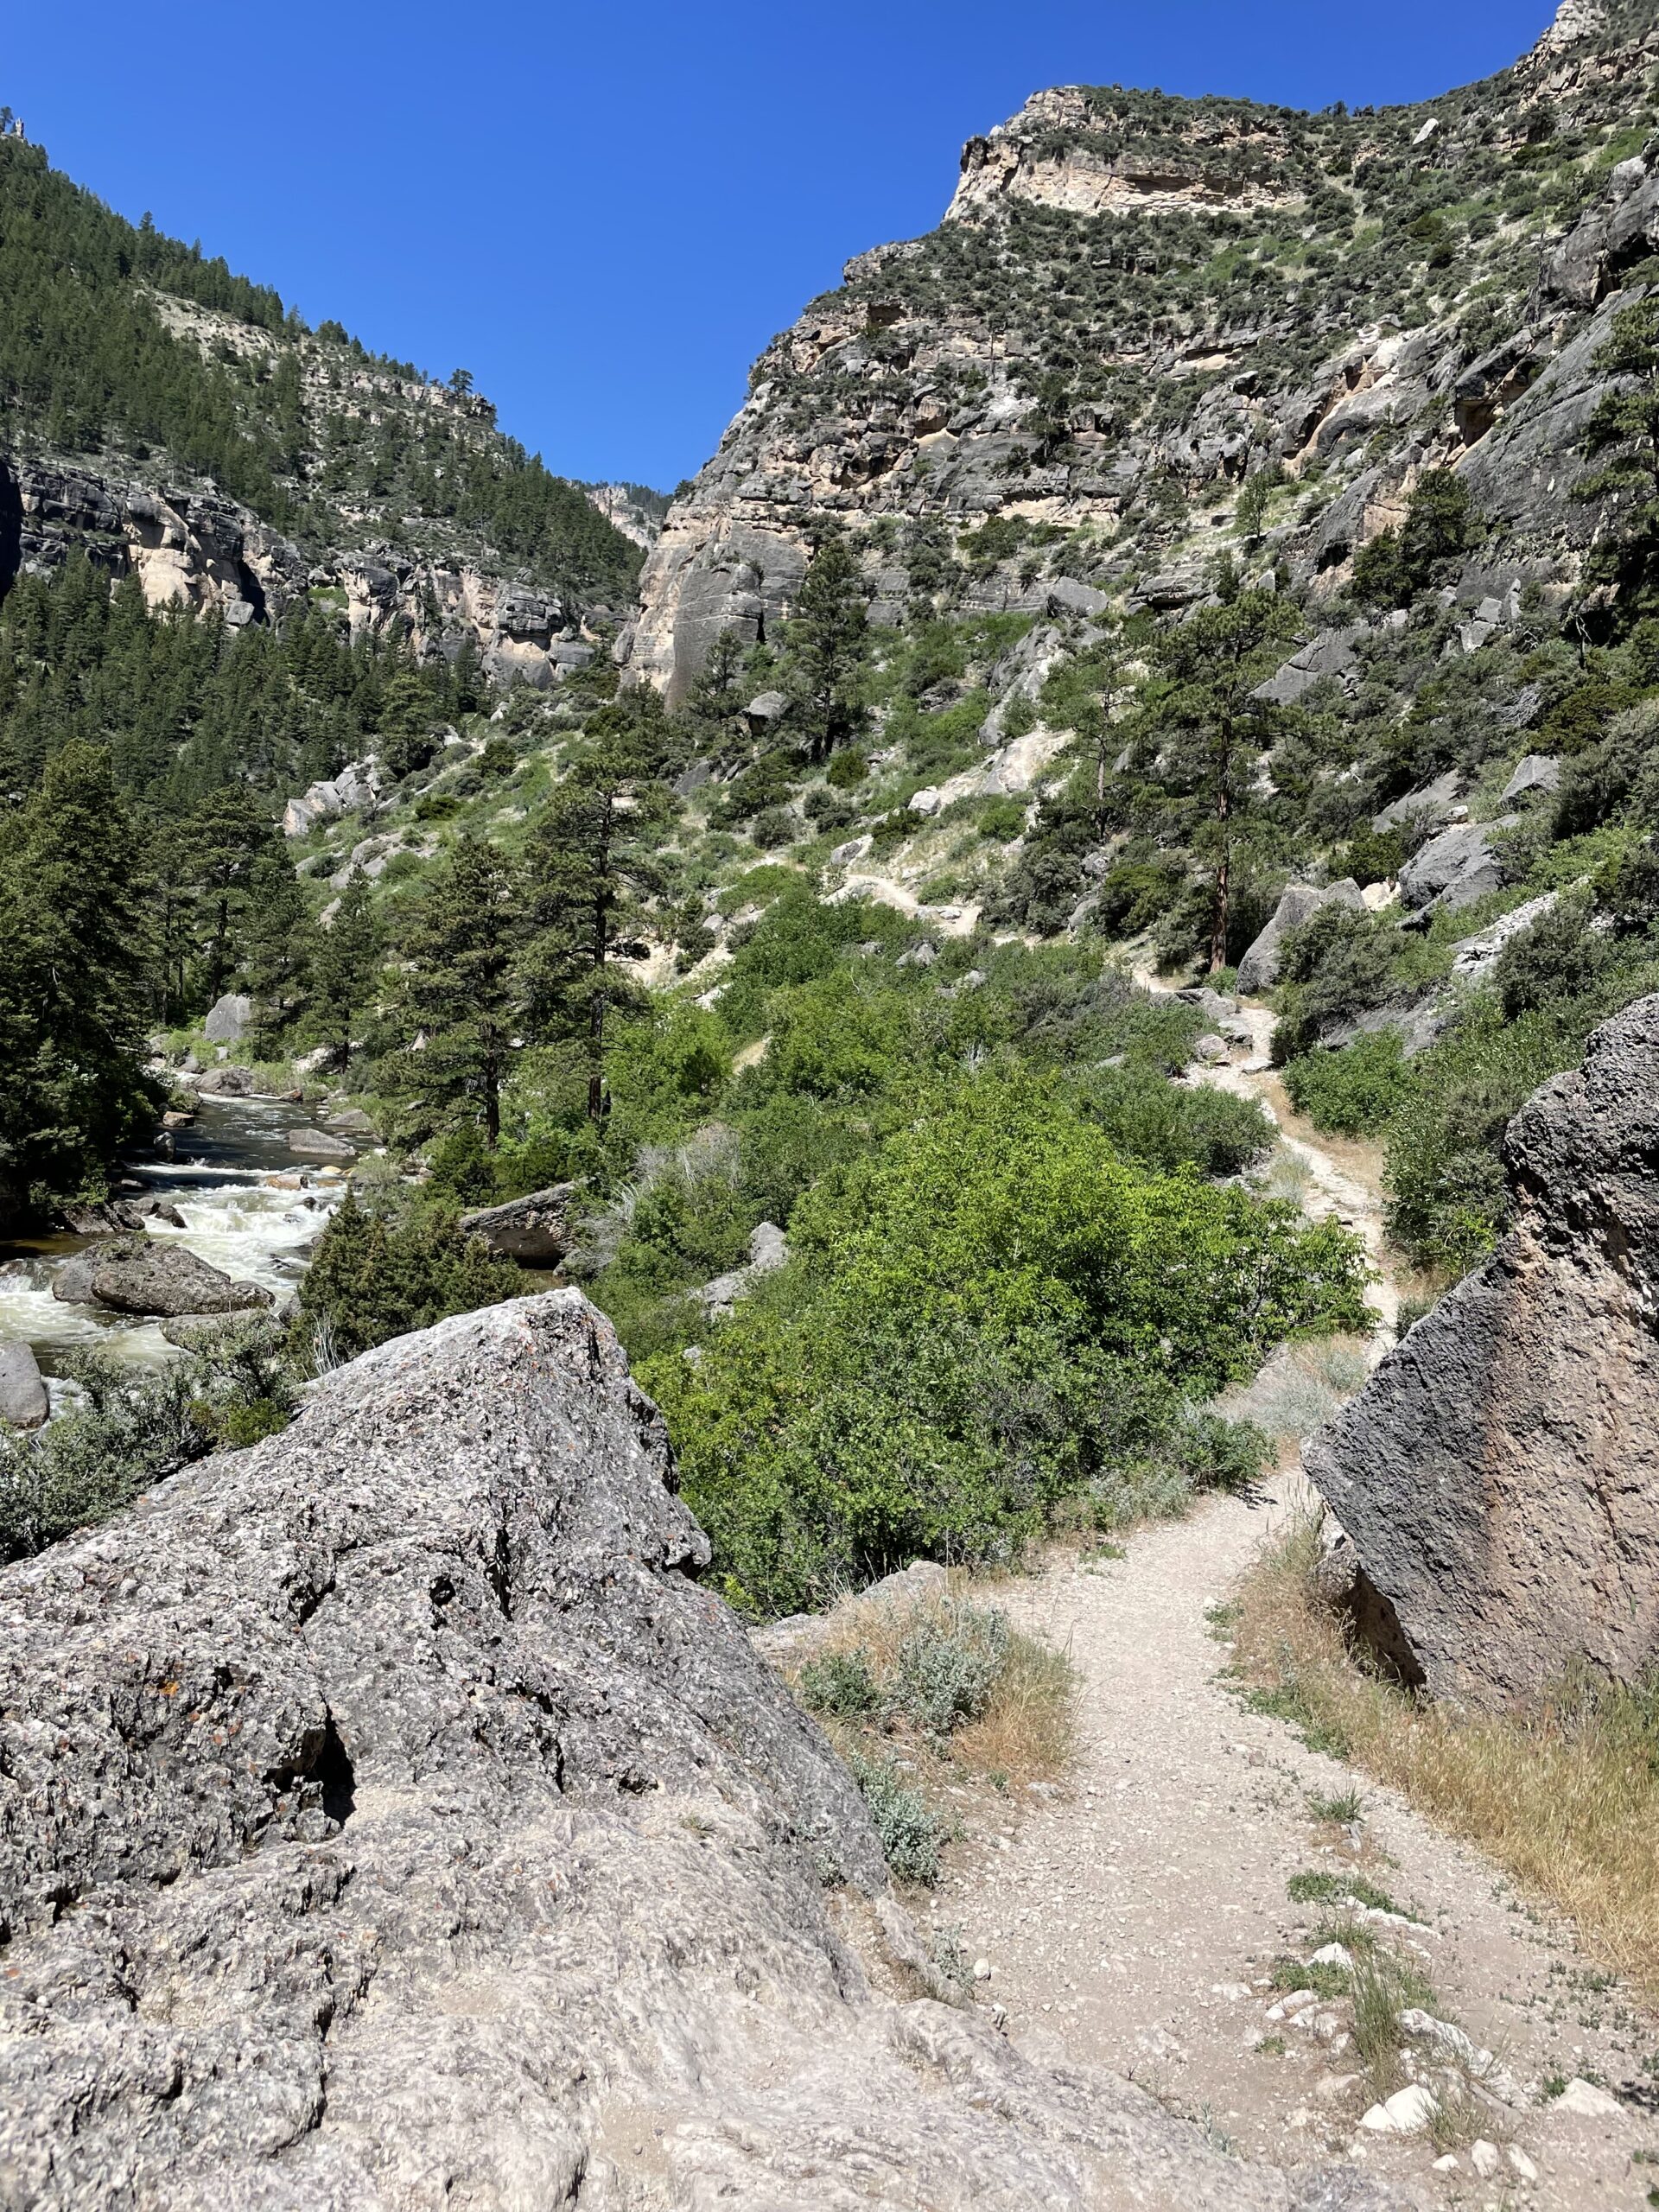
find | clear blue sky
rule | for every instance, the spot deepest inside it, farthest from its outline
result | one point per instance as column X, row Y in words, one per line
column 606, row 211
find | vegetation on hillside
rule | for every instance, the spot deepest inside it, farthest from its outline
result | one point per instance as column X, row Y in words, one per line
column 299, row 425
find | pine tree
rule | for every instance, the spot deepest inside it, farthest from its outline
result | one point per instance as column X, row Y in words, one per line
column 343, row 962
column 1624, row 427
column 458, row 1006
column 827, row 646
column 273, row 946
column 72, row 972
column 593, row 868
column 1212, row 731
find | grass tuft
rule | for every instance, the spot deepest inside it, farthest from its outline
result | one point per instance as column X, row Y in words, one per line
column 1565, row 1796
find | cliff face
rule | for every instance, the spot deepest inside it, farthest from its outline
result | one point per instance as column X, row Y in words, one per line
column 1499, row 1474
column 163, row 416
column 1135, row 302
column 386, row 1817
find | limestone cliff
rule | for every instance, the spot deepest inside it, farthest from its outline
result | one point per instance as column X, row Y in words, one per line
column 1133, row 301
column 387, row 1818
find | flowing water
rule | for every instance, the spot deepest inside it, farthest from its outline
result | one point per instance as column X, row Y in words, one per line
column 250, row 1208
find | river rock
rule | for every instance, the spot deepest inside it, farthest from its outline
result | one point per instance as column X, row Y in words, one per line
column 1258, row 968
column 390, row 1818
column 226, row 1082
column 24, row 1400
column 107, row 1218
column 1499, row 1473
column 534, row 1230
column 144, row 1274
column 320, row 1144
column 349, row 1121
column 228, row 1018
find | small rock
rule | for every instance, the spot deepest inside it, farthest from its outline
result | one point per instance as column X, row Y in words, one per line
column 1333, row 1955
column 982, row 1969
column 1483, row 2156
column 1522, row 2163
column 1448, row 2164
column 926, row 803
column 1407, row 2112
column 1588, row 2100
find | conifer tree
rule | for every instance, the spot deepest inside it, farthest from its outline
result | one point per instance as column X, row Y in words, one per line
column 459, row 1004
column 344, row 962
column 1623, row 433
column 1212, row 730
column 273, row 946
column 593, row 868
column 72, row 972
column 827, row 646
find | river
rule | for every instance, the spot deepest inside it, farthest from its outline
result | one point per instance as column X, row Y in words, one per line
column 250, row 1208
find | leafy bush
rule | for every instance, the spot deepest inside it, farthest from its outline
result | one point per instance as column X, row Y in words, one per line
column 377, row 1275
column 1157, row 1125
column 993, row 1314
column 947, row 1665
column 1355, row 1092
column 133, row 1427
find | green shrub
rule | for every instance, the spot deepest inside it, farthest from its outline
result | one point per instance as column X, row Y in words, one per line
column 1002, row 819
column 1355, row 1092
column 993, row 1314
column 841, row 1684
column 135, row 1425
column 1153, row 1123
column 910, row 1832
column 947, row 1665
column 375, row 1276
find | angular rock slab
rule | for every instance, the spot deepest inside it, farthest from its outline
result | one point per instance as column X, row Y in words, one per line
column 144, row 1274
column 534, row 1230
column 1499, row 1473
column 387, row 1818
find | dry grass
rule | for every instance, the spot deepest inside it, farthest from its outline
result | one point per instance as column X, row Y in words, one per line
column 1017, row 1729
column 1566, row 1798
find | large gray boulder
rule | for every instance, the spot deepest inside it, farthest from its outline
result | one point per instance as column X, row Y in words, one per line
column 1259, row 970
column 534, row 1230
column 1499, row 1474
column 228, row 1018
column 24, row 1400
column 146, row 1274
column 388, row 1818
column 1455, row 870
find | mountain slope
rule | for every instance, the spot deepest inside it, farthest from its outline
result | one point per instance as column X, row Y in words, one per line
column 1135, row 302
column 167, row 415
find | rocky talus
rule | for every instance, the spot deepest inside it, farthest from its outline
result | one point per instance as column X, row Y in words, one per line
column 388, row 1818
column 1499, row 1476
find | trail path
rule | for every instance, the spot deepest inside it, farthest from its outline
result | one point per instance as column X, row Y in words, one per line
column 1130, row 1917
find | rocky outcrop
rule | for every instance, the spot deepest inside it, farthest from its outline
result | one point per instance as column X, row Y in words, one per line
column 1499, row 1474
column 145, row 1275
column 387, row 1817
column 902, row 409
column 1455, row 868
column 1259, row 970
column 534, row 1229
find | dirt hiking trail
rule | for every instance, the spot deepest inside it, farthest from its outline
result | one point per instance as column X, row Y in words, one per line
column 1131, row 1916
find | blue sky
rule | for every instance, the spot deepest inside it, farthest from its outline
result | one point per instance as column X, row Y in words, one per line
column 606, row 213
